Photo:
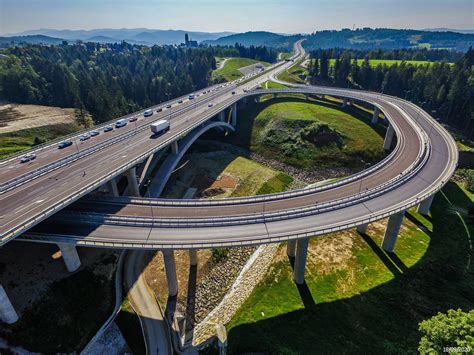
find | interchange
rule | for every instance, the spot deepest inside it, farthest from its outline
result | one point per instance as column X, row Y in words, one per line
column 45, row 201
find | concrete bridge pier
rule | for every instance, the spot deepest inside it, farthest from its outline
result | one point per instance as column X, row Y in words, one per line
column 193, row 257
column 234, row 115
column 375, row 116
column 257, row 99
column 323, row 97
column 352, row 102
column 362, row 229
column 132, row 182
column 113, row 188
column 391, row 233
column 70, row 256
column 291, row 248
column 221, row 116
column 300, row 260
column 7, row 312
column 344, row 102
column 424, row 206
column 170, row 269
column 387, row 143
column 174, row 148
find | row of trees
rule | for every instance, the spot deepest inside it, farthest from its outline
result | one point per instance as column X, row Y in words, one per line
column 105, row 80
column 262, row 53
column 432, row 55
column 445, row 90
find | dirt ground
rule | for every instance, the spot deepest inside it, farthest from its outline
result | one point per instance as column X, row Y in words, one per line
column 27, row 269
column 14, row 117
column 156, row 278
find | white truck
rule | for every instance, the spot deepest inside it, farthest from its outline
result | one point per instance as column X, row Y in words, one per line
column 160, row 127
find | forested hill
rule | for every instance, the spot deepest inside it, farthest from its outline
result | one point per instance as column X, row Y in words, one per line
column 386, row 38
column 107, row 81
column 365, row 38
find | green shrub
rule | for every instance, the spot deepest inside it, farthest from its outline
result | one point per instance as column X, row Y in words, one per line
column 276, row 184
column 452, row 330
column 219, row 254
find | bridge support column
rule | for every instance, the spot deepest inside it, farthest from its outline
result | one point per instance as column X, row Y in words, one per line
column 375, row 116
column 323, row 97
column 352, row 102
column 113, row 189
column 300, row 260
column 174, row 148
column 344, row 102
column 424, row 206
column 170, row 269
column 132, row 182
column 193, row 257
column 70, row 256
column 234, row 115
column 291, row 248
column 7, row 312
column 387, row 143
column 362, row 229
column 221, row 116
column 257, row 99
column 391, row 233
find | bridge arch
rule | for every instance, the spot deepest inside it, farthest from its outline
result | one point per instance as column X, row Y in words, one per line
column 162, row 176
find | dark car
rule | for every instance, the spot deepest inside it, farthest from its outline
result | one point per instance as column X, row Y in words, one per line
column 168, row 106
column 180, row 101
column 159, row 109
column 108, row 129
column 64, row 144
column 94, row 133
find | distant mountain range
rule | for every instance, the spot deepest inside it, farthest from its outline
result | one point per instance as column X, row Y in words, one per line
column 363, row 38
column 134, row 35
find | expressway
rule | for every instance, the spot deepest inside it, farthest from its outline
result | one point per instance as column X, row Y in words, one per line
column 422, row 161
column 32, row 192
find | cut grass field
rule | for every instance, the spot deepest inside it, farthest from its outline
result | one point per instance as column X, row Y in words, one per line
column 231, row 68
column 362, row 144
column 296, row 74
column 387, row 62
column 359, row 299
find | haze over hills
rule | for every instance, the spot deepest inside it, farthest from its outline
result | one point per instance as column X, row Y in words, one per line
column 363, row 38
column 132, row 35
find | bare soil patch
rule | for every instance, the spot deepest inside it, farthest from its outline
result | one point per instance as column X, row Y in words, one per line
column 15, row 117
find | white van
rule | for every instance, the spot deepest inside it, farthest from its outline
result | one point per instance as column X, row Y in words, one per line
column 121, row 123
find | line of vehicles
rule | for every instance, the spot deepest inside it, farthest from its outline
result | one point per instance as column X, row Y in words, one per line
column 157, row 128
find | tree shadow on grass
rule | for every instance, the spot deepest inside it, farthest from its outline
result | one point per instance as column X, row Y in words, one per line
column 385, row 318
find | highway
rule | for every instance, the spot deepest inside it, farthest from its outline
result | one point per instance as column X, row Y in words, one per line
column 422, row 161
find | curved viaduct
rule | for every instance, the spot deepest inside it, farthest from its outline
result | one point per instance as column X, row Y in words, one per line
column 422, row 161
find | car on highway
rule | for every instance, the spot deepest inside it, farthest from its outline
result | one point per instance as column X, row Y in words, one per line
column 180, row 101
column 84, row 137
column 27, row 157
column 233, row 92
column 64, row 144
column 147, row 113
column 121, row 123
column 133, row 119
column 94, row 133
column 159, row 109
column 191, row 97
column 210, row 104
column 108, row 129
column 168, row 106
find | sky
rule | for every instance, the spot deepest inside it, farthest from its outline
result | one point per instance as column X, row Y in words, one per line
column 281, row 16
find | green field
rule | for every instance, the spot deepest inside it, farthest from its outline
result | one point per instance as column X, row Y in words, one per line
column 14, row 142
column 231, row 68
column 359, row 299
column 284, row 129
column 287, row 55
column 388, row 62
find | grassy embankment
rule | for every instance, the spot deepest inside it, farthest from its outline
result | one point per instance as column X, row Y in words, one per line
column 311, row 134
column 231, row 68
column 14, row 142
column 359, row 299
column 296, row 74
